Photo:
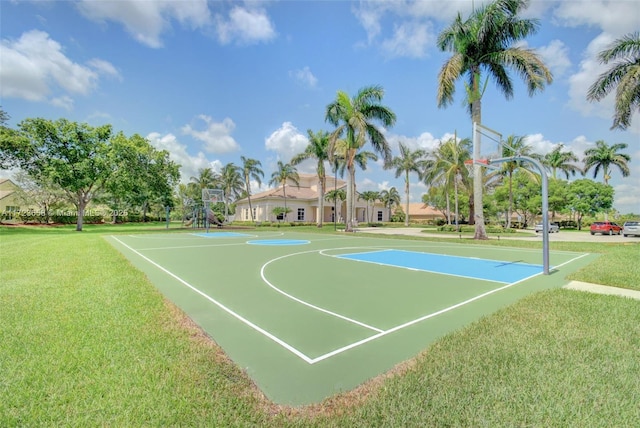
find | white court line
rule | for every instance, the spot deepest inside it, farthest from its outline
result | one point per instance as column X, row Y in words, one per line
column 381, row 333
column 317, row 308
column 223, row 307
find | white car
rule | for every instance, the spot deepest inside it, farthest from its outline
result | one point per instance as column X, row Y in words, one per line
column 553, row 228
column 631, row 228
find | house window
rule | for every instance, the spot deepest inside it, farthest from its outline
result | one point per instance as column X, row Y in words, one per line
column 280, row 216
column 300, row 214
column 379, row 215
column 254, row 214
column 246, row 214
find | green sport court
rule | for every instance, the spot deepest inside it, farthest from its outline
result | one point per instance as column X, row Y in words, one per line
column 311, row 315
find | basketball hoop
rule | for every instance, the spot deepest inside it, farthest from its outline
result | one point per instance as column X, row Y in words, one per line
column 470, row 162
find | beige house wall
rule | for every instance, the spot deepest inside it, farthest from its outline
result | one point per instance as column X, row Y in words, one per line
column 304, row 197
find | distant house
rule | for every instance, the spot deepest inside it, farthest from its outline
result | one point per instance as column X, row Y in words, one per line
column 8, row 196
column 302, row 201
column 419, row 212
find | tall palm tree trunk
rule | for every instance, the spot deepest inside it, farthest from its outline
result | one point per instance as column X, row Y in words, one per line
column 476, row 114
column 323, row 184
column 406, row 192
column 350, row 197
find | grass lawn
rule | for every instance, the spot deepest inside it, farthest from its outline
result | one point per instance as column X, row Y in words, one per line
column 85, row 340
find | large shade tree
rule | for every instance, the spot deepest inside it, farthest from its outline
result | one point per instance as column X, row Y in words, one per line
column 317, row 149
column 250, row 170
column 623, row 77
column 355, row 120
column 71, row 155
column 407, row 162
column 488, row 42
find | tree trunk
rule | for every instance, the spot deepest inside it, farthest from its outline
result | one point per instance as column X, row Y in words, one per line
column 82, row 203
column 322, row 182
column 476, row 109
column 406, row 191
column 350, row 196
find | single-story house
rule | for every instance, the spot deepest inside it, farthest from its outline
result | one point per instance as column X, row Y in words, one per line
column 302, row 200
column 419, row 212
column 8, row 193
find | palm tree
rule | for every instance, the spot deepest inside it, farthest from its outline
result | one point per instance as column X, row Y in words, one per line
column 317, row 149
column 334, row 196
column 603, row 156
column 407, row 162
column 488, row 42
column 370, row 196
column 355, row 119
column 251, row 170
column 232, row 184
column 389, row 198
column 622, row 76
column 206, row 179
column 515, row 146
column 557, row 160
column 284, row 172
column 449, row 167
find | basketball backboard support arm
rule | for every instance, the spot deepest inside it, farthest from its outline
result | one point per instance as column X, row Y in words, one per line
column 545, row 204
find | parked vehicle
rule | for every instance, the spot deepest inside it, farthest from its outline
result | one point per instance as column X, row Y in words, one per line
column 605, row 228
column 631, row 228
column 553, row 228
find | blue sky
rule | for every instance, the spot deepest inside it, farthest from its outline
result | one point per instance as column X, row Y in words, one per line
column 213, row 81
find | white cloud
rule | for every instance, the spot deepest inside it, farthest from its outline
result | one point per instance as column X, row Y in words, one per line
column 410, row 39
column 304, row 76
column 556, row 56
column 64, row 102
column 579, row 83
column 286, row 141
column 615, row 17
column 35, row 66
column 147, row 20
column 245, row 26
column 189, row 165
column 216, row 137
column 105, row 68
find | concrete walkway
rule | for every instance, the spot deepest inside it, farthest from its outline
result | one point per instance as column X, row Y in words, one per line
column 602, row 289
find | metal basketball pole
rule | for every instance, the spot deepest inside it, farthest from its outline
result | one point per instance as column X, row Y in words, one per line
column 545, row 205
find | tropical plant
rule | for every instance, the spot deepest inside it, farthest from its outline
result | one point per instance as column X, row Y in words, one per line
column 334, row 196
column 355, row 120
column 407, row 162
column 283, row 173
column 317, row 149
column 448, row 168
column 251, row 170
column 603, row 157
column 558, row 160
column 207, row 178
column 370, row 197
column 623, row 77
column 390, row 198
column 232, row 184
column 516, row 146
column 488, row 41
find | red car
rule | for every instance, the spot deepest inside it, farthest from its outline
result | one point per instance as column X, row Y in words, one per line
column 605, row 227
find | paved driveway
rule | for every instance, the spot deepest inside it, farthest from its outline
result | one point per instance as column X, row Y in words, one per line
column 583, row 236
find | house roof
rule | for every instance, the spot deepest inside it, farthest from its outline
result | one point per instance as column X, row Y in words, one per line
column 298, row 192
column 421, row 209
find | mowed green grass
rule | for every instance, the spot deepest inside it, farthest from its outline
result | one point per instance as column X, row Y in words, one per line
column 85, row 339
